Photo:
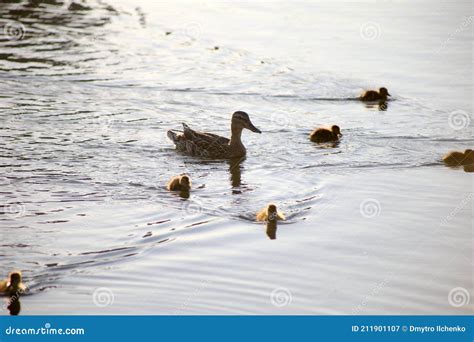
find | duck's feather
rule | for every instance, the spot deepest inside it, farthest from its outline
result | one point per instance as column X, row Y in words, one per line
column 200, row 143
column 321, row 135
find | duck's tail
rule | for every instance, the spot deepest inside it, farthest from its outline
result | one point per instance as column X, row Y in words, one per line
column 173, row 135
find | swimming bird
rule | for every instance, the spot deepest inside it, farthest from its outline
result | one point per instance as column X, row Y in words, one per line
column 13, row 284
column 455, row 158
column 321, row 135
column 374, row 95
column 211, row 145
column 270, row 214
column 179, row 183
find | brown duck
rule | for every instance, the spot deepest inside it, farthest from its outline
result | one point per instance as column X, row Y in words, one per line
column 374, row 95
column 321, row 135
column 210, row 145
column 179, row 183
column 456, row 158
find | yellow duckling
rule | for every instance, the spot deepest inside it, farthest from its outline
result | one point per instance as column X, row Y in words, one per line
column 456, row 158
column 13, row 284
column 270, row 214
column 179, row 183
column 374, row 95
column 321, row 135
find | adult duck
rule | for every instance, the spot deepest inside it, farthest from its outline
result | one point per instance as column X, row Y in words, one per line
column 210, row 145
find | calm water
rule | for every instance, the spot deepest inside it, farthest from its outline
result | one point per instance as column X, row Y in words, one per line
column 376, row 225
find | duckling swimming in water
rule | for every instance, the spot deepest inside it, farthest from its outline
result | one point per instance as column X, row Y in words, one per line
column 179, row 183
column 374, row 95
column 13, row 284
column 270, row 213
column 321, row 135
column 456, row 158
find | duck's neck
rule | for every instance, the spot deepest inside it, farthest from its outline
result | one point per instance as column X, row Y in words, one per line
column 235, row 138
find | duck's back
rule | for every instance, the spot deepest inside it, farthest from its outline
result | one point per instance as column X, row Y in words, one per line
column 454, row 158
column 370, row 95
column 469, row 157
column 200, row 144
column 322, row 135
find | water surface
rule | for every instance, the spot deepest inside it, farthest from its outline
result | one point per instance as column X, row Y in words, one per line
column 376, row 224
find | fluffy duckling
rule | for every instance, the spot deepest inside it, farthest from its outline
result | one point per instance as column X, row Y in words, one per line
column 374, row 95
column 270, row 214
column 179, row 183
column 13, row 284
column 321, row 135
column 456, row 158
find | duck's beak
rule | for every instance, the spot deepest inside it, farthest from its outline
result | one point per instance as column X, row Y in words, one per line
column 253, row 128
column 388, row 94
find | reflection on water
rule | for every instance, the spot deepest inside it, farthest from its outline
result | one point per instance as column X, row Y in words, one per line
column 14, row 306
column 271, row 229
column 88, row 91
column 380, row 105
column 235, row 169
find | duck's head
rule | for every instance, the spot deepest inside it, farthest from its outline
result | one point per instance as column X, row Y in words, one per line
column 15, row 278
column 241, row 120
column 185, row 182
column 468, row 151
column 384, row 92
column 272, row 212
column 336, row 130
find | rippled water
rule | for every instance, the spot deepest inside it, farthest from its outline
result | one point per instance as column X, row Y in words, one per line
column 375, row 224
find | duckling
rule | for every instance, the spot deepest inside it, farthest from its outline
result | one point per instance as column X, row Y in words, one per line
column 374, row 95
column 468, row 168
column 13, row 284
column 270, row 214
column 322, row 135
column 456, row 158
column 179, row 183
